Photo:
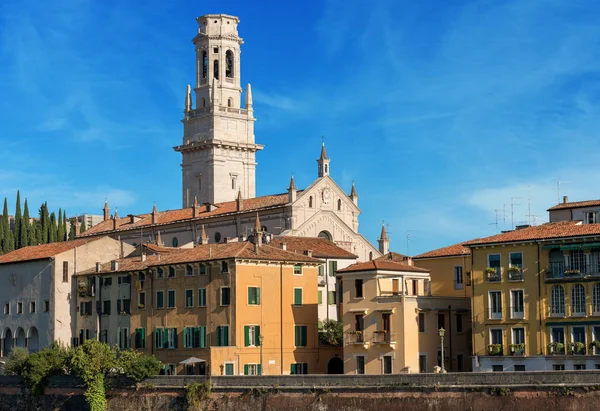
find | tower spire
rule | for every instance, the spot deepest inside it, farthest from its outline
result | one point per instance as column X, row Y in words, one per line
column 106, row 211
column 203, row 236
column 323, row 162
column 188, row 99
column 354, row 195
column 249, row 97
column 292, row 191
column 384, row 241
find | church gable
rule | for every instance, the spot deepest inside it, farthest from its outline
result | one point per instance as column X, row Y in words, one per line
column 326, row 194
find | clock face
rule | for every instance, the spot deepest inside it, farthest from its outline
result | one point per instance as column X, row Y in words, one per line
column 326, row 195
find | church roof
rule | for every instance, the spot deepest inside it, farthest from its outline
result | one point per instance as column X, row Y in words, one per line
column 186, row 214
column 320, row 247
column 384, row 265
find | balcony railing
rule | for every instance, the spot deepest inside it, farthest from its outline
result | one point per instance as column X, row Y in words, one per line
column 517, row 312
column 495, row 314
column 567, row 270
column 383, row 337
column 515, row 273
column 493, row 274
column 355, row 337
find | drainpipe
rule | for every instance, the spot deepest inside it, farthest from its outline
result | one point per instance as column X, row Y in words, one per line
column 539, row 299
column 473, row 349
column 450, row 336
column 149, row 273
column 281, row 314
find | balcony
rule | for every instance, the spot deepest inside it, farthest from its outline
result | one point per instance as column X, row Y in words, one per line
column 562, row 270
column 493, row 274
column 384, row 337
column 494, row 314
column 517, row 349
column 515, row 273
column 577, row 348
column 517, row 312
column 555, row 348
column 355, row 338
column 495, row 349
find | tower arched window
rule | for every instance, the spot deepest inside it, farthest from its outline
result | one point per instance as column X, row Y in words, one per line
column 557, row 300
column 229, row 64
column 229, row 102
column 203, row 102
column 204, row 64
column 216, row 69
column 310, row 202
column 339, row 205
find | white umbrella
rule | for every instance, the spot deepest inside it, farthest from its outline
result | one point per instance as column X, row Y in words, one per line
column 191, row 361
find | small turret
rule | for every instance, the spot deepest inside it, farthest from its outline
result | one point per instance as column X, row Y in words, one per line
column 188, row 100
column 115, row 219
column 158, row 239
column 239, row 201
column 354, row 195
column 195, row 208
column 384, row 241
column 249, row 97
column 203, row 236
column 292, row 191
column 323, row 162
column 106, row 211
column 154, row 214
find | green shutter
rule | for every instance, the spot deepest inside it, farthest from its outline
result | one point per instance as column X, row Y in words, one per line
column 246, row 335
column 303, row 335
column 143, row 338
column 330, row 298
column 202, row 336
column 320, row 297
column 257, row 295
column 297, row 296
column 259, row 368
column 296, row 336
column 226, row 335
column 257, row 335
column 185, row 337
column 321, row 270
column 175, row 334
column 165, row 332
column 245, row 369
column 250, row 296
column 293, row 369
column 219, row 342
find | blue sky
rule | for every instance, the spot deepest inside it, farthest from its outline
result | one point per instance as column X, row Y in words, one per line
column 441, row 112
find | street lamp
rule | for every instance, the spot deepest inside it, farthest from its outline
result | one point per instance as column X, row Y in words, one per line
column 442, row 332
column 260, row 340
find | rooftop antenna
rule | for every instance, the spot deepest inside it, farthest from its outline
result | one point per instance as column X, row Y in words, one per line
column 409, row 237
column 500, row 215
column 512, row 210
column 558, row 183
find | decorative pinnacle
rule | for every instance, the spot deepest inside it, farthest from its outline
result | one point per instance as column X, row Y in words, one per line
column 292, row 184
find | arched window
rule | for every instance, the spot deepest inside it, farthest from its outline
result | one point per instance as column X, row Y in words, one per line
column 217, row 237
column 310, row 204
column 229, row 102
column 370, row 255
column 578, row 300
column 189, row 270
column 203, row 102
column 216, row 69
column 325, row 234
column 204, row 64
column 229, row 64
column 596, row 298
column 557, row 300
column 339, row 205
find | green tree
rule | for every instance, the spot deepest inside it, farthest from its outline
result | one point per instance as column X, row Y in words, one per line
column 137, row 366
column 18, row 217
column 6, row 244
column 52, row 360
column 333, row 333
column 92, row 361
column 16, row 362
column 53, row 228
column 60, row 235
column 44, row 224
column 83, row 227
column 72, row 229
column 64, row 226
column 25, row 227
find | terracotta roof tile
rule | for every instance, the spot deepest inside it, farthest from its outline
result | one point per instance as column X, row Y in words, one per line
column 391, row 256
column 321, row 247
column 451, row 250
column 382, row 265
column 173, row 216
column 563, row 229
column 575, row 204
column 40, row 252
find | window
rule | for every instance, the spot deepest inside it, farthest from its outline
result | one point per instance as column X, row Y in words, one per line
column 319, row 297
column 65, row 271
column 159, row 337
column 518, row 335
column 124, row 306
column 160, row 273
column 310, row 202
column 579, row 367
column 360, row 364
column 189, row 298
column 201, row 297
column 297, row 269
column 558, row 367
column 224, row 267
column 170, row 338
column 339, row 205
column 515, row 271
column 175, row 242
column 225, row 295
column 441, row 321
column 217, row 237
column 459, row 323
column 252, row 369
column 496, row 336
column 204, row 64
column 517, row 304
column 321, row 271
column 108, row 281
column 300, row 335
column 7, row 308
column 358, row 288
column 32, row 307
column 232, row 178
column 297, row 296
column 160, row 299
column 215, row 49
column 222, row 336
column 46, row 306
column 194, row 337
column 495, row 302
column 421, row 322
column 123, row 338
column 578, row 300
column 171, row 299
column 579, row 335
column 229, row 64
column 253, row 296
column 497, row 368
column 557, row 301
column 519, row 367
column 596, row 299
column 331, row 297
column 106, row 307
column 141, row 300
column 19, row 308
column 229, row 368
column 189, row 271
column 387, row 364
column 124, row 279
column 332, row 268
column 202, row 269
column 251, row 335
column 494, row 262
column 299, row 368
column 591, row 217
column 557, row 335
column 460, row 362
column 415, row 287
column 422, row 363
column 458, row 277
column 104, row 336
column 171, row 272
column 85, row 308
column 216, row 69
column 140, row 338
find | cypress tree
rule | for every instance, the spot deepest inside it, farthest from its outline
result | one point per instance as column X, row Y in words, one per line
column 64, row 226
column 83, row 227
column 1, row 234
column 5, row 228
column 10, row 242
column 38, row 234
column 60, row 235
column 18, row 217
column 44, row 224
column 32, row 234
column 72, row 229
column 25, row 227
column 53, row 227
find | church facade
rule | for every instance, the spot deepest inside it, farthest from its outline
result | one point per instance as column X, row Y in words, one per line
column 218, row 151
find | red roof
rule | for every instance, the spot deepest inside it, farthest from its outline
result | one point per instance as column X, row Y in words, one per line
column 449, row 251
column 382, row 265
column 575, row 204
column 186, row 214
column 562, row 229
column 40, row 252
column 320, row 247
column 392, row 256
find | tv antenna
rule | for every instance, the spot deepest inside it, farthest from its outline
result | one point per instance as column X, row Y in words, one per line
column 558, row 183
column 500, row 215
column 512, row 210
column 409, row 237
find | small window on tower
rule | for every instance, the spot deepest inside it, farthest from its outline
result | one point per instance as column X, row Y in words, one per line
column 310, row 202
column 203, row 102
column 215, row 49
column 216, row 69
column 229, row 102
column 229, row 64
column 233, row 183
column 204, row 64
column 339, row 205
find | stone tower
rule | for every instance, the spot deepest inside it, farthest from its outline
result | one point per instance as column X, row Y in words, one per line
column 218, row 149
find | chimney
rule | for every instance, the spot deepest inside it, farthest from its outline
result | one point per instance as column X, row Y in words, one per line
column 106, row 211
column 284, row 246
column 114, row 265
column 98, row 267
column 309, row 253
column 565, row 199
column 409, row 261
column 195, row 208
column 154, row 215
column 131, row 218
column 239, row 202
column 143, row 256
column 115, row 219
column 77, row 226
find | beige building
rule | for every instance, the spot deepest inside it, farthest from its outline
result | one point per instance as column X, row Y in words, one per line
column 392, row 321
column 218, row 168
column 37, row 296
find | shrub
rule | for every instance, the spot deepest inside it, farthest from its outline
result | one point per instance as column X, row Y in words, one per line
column 137, row 366
column 52, row 360
column 17, row 359
column 196, row 394
column 333, row 333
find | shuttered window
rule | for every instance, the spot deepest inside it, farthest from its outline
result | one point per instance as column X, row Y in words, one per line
column 297, row 296
column 251, row 335
column 253, row 296
column 300, row 335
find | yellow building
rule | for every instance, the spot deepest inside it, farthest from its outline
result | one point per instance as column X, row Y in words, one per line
column 536, row 298
column 391, row 321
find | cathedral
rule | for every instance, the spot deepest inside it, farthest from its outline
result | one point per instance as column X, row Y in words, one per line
column 218, row 167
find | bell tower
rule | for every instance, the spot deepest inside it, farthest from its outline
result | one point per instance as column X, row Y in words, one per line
column 218, row 148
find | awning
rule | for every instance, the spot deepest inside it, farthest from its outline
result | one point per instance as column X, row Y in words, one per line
column 191, row 361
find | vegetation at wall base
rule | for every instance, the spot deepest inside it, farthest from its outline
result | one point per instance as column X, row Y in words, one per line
column 197, row 394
